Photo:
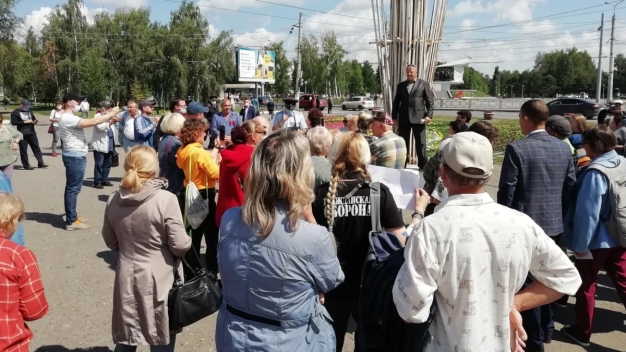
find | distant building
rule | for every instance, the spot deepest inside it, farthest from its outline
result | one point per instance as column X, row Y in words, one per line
column 448, row 74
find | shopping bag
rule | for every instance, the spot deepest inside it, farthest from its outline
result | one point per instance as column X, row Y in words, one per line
column 196, row 208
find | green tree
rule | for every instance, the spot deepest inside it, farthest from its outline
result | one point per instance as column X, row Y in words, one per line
column 332, row 56
column 9, row 22
column 369, row 78
column 355, row 78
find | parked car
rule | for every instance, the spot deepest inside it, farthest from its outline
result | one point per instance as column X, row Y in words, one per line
column 305, row 102
column 358, row 103
column 564, row 106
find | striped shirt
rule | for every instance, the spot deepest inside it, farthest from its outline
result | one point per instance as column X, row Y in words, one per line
column 389, row 151
column 21, row 295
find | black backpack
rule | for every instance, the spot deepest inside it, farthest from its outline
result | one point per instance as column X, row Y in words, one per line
column 379, row 327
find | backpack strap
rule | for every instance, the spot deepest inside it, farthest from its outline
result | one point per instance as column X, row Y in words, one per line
column 375, row 206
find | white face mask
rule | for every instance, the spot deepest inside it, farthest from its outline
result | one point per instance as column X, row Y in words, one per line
column 183, row 111
column 59, row 107
column 246, row 104
column 75, row 107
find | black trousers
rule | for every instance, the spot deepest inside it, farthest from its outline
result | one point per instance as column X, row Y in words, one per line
column 33, row 141
column 538, row 322
column 340, row 311
column 419, row 132
column 209, row 230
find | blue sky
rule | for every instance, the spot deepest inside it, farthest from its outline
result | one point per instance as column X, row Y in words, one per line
column 507, row 33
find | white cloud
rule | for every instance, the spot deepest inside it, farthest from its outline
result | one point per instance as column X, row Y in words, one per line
column 518, row 10
column 37, row 19
column 467, row 24
column 466, row 7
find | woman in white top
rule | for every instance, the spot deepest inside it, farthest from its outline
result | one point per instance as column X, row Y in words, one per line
column 54, row 118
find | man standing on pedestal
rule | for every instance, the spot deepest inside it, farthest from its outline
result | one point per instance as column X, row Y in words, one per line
column 413, row 108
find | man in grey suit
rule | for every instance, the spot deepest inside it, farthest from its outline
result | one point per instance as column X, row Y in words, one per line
column 412, row 110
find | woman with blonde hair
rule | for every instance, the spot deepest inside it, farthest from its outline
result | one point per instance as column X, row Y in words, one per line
column 22, row 292
column 342, row 205
column 171, row 126
column 201, row 168
column 143, row 221
column 273, row 262
column 234, row 166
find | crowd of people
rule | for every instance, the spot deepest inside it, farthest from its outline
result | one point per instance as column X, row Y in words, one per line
column 290, row 229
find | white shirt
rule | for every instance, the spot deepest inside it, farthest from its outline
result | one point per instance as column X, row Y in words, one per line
column 473, row 255
column 129, row 126
column 73, row 138
column 297, row 120
column 55, row 115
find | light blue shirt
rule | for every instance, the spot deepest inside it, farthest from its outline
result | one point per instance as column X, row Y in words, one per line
column 218, row 120
column 583, row 227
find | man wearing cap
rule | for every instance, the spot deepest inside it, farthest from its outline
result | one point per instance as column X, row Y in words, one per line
column 24, row 119
column 537, row 177
column 412, row 110
column 615, row 104
column 289, row 118
column 136, row 126
column 473, row 255
column 226, row 118
column 389, row 150
column 72, row 131
column 559, row 127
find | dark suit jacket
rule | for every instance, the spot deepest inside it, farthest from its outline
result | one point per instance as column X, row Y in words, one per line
column 252, row 113
column 537, row 179
column 414, row 106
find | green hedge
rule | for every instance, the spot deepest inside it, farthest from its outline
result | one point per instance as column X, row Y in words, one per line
column 508, row 130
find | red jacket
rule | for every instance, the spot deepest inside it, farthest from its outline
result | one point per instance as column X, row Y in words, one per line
column 235, row 161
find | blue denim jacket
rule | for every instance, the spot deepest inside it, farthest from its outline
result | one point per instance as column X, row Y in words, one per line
column 7, row 187
column 583, row 227
column 277, row 277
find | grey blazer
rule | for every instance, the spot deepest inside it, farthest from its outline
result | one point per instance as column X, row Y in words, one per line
column 414, row 106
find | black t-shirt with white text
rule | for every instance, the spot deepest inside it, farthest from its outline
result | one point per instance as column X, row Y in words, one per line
column 352, row 226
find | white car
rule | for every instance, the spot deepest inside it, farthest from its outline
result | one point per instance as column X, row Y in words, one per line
column 358, row 103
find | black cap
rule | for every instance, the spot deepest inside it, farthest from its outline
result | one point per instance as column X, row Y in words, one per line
column 105, row 104
column 72, row 96
column 144, row 103
column 560, row 125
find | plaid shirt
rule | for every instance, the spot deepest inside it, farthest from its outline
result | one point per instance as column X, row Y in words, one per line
column 21, row 295
column 389, row 151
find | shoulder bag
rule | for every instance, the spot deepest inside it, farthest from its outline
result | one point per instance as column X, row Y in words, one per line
column 196, row 299
column 196, row 208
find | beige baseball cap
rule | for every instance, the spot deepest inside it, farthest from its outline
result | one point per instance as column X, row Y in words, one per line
column 469, row 150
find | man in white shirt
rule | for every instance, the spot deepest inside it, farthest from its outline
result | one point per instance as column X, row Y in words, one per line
column 289, row 118
column 473, row 255
column 71, row 129
column 136, row 126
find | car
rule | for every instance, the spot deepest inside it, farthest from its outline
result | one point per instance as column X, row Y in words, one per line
column 358, row 103
column 264, row 100
column 566, row 106
column 305, row 101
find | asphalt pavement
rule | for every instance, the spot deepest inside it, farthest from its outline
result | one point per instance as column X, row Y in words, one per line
column 78, row 271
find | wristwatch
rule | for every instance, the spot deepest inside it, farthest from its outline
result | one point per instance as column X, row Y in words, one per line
column 418, row 215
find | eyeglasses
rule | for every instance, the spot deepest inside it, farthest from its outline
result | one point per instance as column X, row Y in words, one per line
column 264, row 133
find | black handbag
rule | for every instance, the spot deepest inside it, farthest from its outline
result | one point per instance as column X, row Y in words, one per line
column 195, row 299
column 115, row 159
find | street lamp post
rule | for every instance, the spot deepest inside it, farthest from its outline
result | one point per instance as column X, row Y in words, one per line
column 522, row 91
column 609, row 93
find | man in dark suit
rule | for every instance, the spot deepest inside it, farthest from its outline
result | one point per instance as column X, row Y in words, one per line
column 248, row 112
column 536, row 179
column 412, row 110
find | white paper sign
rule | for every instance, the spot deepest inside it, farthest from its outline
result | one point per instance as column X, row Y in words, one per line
column 401, row 183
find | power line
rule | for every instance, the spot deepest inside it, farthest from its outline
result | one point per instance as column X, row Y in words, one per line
column 313, row 10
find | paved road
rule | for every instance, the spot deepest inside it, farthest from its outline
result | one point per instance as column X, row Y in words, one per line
column 78, row 274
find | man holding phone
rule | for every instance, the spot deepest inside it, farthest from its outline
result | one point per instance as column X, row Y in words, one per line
column 25, row 121
column 289, row 118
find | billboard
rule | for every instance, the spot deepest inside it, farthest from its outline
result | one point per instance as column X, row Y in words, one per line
column 256, row 65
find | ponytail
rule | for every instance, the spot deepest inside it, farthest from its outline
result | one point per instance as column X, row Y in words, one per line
column 141, row 164
column 132, row 180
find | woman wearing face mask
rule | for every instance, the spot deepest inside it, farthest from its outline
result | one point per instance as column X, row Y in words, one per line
column 54, row 119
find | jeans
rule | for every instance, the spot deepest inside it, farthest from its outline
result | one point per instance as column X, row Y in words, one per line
column 163, row 348
column 74, row 175
column 7, row 170
column 102, row 167
column 55, row 138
